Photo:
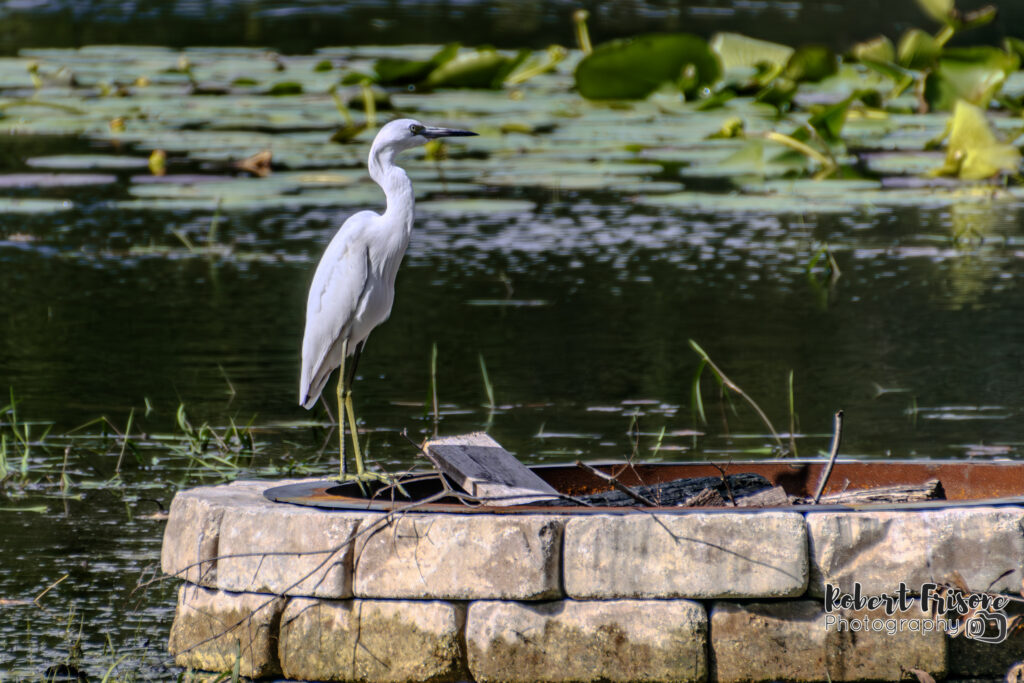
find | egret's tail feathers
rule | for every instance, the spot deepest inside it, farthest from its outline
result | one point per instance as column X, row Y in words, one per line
column 308, row 397
column 310, row 392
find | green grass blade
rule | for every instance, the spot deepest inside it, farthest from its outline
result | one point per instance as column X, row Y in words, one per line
column 487, row 382
column 695, row 397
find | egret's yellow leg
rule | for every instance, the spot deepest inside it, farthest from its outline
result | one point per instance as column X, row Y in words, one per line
column 355, row 432
column 361, row 474
column 347, row 411
column 341, row 408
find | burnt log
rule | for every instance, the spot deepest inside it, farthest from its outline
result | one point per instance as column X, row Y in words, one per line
column 677, row 493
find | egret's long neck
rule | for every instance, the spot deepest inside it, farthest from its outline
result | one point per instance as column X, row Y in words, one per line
column 396, row 185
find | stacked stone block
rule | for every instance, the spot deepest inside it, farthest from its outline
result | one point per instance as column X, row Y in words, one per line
column 729, row 595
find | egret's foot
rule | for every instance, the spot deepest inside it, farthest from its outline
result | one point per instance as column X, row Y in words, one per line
column 364, row 479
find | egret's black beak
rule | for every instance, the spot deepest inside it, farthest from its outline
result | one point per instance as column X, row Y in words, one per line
column 431, row 132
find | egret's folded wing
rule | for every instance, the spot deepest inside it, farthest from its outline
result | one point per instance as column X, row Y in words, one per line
column 334, row 297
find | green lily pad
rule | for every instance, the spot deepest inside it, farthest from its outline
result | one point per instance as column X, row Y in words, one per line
column 917, row 49
column 974, row 74
column 939, row 10
column 49, row 180
column 236, row 189
column 41, row 206
column 878, row 49
column 816, row 197
column 436, row 188
column 408, row 71
column 360, row 197
column 829, row 120
column 1014, row 46
column 975, row 18
column 554, row 182
column 754, row 157
column 903, row 163
column 736, row 51
column 285, row 88
column 81, row 162
column 567, row 176
column 474, row 103
column 741, row 203
column 811, row 63
column 633, row 68
column 646, row 187
column 814, row 189
column 484, row 207
column 482, row 68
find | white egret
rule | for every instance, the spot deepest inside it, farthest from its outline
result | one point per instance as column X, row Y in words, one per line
column 354, row 285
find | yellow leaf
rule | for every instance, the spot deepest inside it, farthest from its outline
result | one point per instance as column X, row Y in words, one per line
column 974, row 152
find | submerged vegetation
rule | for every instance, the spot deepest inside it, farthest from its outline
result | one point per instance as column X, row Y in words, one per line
column 38, row 464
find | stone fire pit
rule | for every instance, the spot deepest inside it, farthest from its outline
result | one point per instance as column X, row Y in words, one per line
column 569, row 594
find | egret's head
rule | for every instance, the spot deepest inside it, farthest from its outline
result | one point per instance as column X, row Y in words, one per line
column 403, row 134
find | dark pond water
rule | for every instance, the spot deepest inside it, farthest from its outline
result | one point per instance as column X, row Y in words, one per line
column 301, row 27
column 580, row 302
column 581, row 308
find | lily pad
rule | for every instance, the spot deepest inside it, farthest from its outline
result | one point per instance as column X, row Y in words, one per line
column 974, row 74
column 633, row 68
column 903, row 163
column 235, row 189
column 815, row 197
column 482, row 68
column 811, row 63
column 47, row 180
column 736, row 51
column 41, row 206
column 814, row 189
column 741, row 203
column 483, row 207
column 358, row 197
column 82, row 162
column 917, row 49
column 407, row 71
column 567, row 176
column 939, row 10
column 754, row 157
column 878, row 49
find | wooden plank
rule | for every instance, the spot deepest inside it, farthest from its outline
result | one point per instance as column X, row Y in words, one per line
column 485, row 470
column 767, row 498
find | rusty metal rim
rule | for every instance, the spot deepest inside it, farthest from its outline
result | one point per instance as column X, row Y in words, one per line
column 315, row 494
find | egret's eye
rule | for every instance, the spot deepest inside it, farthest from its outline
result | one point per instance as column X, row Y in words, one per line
column 416, row 129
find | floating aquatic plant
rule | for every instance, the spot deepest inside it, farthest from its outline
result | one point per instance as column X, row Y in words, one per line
column 974, row 152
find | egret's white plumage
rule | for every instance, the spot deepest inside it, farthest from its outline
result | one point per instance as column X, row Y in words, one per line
column 339, row 305
column 354, row 285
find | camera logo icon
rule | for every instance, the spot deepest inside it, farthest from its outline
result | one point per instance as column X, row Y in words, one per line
column 986, row 627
